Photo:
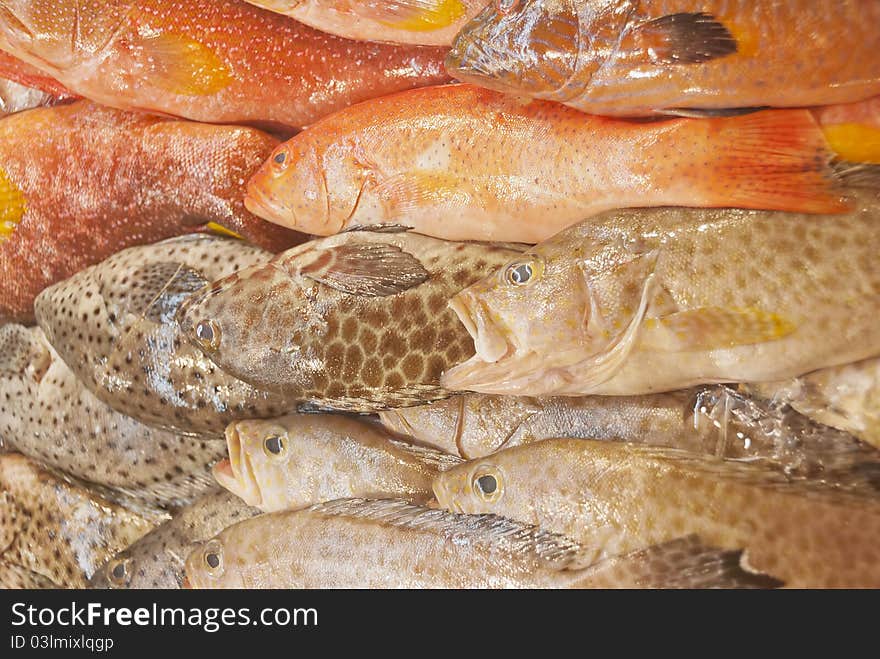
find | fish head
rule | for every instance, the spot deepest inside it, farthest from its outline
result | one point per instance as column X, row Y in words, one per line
column 257, row 468
column 480, row 486
column 24, row 354
column 58, row 34
column 258, row 325
column 290, row 188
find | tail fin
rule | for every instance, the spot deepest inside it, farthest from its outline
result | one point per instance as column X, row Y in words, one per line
column 774, row 160
column 858, row 175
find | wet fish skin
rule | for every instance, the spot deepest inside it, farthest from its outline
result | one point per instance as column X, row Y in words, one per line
column 357, row 543
column 138, row 179
column 156, row 560
column 354, row 322
column 423, row 22
column 15, row 70
column 16, row 577
column 217, row 61
column 644, row 301
column 56, row 528
column 637, row 58
column 113, row 324
column 463, row 163
column 614, row 497
column 17, row 98
column 47, row 414
column 299, row 460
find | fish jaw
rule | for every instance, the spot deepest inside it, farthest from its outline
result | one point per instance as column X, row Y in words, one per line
column 490, row 341
column 237, row 473
column 261, row 204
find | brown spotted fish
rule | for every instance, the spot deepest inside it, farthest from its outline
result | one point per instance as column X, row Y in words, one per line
column 615, row 497
column 113, row 324
column 137, row 179
column 641, row 57
column 713, row 421
column 48, row 415
column 644, row 301
column 156, row 560
column 16, row 577
column 56, row 528
column 302, row 459
column 356, row 322
column 358, row 543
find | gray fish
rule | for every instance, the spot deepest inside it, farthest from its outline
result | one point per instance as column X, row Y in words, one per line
column 714, row 420
column 113, row 324
column 355, row 322
column 47, row 414
column 56, row 527
column 156, row 560
column 389, row 543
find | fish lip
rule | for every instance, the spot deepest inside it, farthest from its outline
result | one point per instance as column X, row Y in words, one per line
column 474, row 315
column 257, row 202
column 243, row 482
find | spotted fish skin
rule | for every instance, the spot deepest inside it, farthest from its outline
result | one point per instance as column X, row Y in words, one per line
column 138, row 179
column 56, row 528
column 156, row 560
column 355, row 322
column 615, row 497
column 221, row 61
column 48, row 415
column 113, row 324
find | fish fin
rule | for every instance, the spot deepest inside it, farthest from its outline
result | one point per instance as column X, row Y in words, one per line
column 854, row 142
column 413, row 15
column 403, row 192
column 23, row 352
column 713, row 328
column 221, row 230
column 709, row 113
column 776, row 160
column 854, row 175
column 368, row 269
column 157, row 290
column 681, row 563
column 181, row 65
column 18, row 577
column 430, row 456
column 377, row 228
column 685, row 38
column 551, row 550
column 13, row 206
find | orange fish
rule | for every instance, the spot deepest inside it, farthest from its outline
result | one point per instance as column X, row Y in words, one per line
column 853, row 130
column 221, row 61
column 640, row 58
column 24, row 74
column 80, row 182
column 426, row 22
column 464, row 163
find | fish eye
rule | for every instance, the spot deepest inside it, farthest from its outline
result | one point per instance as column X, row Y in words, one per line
column 280, row 157
column 487, row 484
column 213, row 558
column 208, row 335
column 118, row 573
column 275, row 445
column 506, row 6
column 520, row 274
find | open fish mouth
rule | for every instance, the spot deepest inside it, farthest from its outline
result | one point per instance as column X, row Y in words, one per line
column 237, row 473
column 490, row 341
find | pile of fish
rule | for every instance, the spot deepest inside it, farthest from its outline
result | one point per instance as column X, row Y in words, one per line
column 430, row 293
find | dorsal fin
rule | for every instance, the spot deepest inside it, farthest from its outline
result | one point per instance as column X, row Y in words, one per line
column 430, row 456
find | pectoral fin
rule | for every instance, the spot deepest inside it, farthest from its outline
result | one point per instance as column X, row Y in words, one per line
column 713, row 328
column 369, row 269
column 413, row 15
column 403, row 192
column 685, row 38
column 181, row 65
column 156, row 290
column 13, row 205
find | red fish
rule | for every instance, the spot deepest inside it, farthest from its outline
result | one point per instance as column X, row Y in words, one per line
column 12, row 68
column 80, row 182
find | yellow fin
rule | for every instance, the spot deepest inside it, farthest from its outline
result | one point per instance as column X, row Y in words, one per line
column 416, row 15
column 714, row 328
column 223, row 231
column 186, row 67
column 419, row 188
column 13, row 205
column 854, row 142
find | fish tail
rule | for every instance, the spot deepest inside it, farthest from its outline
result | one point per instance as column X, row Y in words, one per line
column 858, row 174
column 774, row 160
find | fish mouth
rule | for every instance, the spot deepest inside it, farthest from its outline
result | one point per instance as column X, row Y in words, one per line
column 490, row 341
column 261, row 205
column 237, row 473
column 441, row 495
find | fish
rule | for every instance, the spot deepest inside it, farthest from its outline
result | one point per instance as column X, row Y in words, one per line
column 113, row 325
column 356, row 322
column 615, row 497
column 641, row 59
column 420, row 22
column 845, row 397
column 645, row 301
column 303, row 459
column 156, row 560
column 138, row 179
column 56, row 528
column 215, row 61
column 715, row 420
column 852, row 130
column 16, row 577
column 16, row 98
column 48, row 415
column 463, row 163
column 390, row 543
column 14, row 70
